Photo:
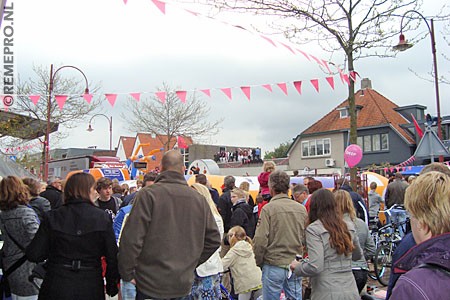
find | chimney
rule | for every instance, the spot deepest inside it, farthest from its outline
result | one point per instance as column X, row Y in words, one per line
column 366, row 84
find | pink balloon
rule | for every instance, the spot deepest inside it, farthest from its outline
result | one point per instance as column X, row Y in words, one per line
column 353, row 155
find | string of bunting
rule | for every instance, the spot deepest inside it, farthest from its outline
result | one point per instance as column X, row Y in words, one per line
column 161, row 6
column 16, row 149
column 182, row 94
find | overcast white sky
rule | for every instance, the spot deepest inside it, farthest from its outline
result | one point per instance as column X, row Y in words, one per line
column 134, row 48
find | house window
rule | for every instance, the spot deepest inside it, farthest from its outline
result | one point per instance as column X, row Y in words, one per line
column 305, row 148
column 384, row 141
column 374, row 142
column 326, row 147
column 367, row 143
column 312, row 148
column 319, row 147
column 343, row 113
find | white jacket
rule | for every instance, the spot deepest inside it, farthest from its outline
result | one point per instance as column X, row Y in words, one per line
column 214, row 264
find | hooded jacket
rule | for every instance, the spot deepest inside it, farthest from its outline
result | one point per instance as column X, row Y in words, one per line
column 263, row 179
column 242, row 215
column 241, row 261
column 420, row 281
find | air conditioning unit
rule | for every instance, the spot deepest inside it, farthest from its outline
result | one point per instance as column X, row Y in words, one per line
column 330, row 162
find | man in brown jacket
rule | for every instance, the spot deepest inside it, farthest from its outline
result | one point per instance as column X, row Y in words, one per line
column 279, row 236
column 170, row 231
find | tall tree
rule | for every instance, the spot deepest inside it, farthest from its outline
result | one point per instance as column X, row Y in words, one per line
column 75, row 108
column 171, row 118
column 355, row 28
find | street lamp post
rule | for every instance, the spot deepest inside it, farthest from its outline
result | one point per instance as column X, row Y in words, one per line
column 404, row 45
column 47, row 130
column 110, row 127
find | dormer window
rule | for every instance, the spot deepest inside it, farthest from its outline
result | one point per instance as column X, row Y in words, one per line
column 343, row 112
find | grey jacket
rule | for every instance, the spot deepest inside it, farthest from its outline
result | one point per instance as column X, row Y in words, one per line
column 280, row 233
column 331, row 274
column 365, row 242
column 21, row 223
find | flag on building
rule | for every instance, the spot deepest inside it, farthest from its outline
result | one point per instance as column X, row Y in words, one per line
column 416, row 125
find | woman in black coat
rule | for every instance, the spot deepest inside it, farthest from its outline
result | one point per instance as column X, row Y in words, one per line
column 73, row 239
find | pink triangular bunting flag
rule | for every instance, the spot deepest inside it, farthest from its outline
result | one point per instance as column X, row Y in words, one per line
column 181, row 95
column 61, row 100
column 283, row 87
column 88, row 98
column 227, row 91
column 330, row 81
column 161, row 96
column 136, row 96
column 315, row 83
column 111, row 98
column 160, row 5
column 192, row 12
column 316, row 59
column 298, row 86
column 269, row 40
column 304, row 54
column 288, row 47
column 207, row 92
column 35, row 98
column 125, row 1
column 267, row 87
column 325, row 63
column 345, row 78
column 246, row 91
column 353, row 75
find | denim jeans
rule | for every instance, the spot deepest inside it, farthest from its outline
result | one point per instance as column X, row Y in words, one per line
column 128, row 290
column 275, row 279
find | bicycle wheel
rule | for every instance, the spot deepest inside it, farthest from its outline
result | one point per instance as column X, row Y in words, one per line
column 383, row 262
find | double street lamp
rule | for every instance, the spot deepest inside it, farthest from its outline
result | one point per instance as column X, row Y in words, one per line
column 47, row 131
column 110, row 127
column 404, row 45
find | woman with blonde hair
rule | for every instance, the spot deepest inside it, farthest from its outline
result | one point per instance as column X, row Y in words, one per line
column 241, row 261
column 360, row 268
column 263, row 179
column 19, row 223
column 206, row 283
column 332, row 245
column 245, row 186
column 426, row 267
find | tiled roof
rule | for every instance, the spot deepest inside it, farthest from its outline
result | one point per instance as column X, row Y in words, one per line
column 376, row 110
column 128, row 144
column 157, row 142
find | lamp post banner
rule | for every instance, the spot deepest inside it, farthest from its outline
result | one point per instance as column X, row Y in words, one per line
column 8, row 71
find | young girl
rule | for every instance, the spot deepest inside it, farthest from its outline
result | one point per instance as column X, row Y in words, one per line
column 241, row 261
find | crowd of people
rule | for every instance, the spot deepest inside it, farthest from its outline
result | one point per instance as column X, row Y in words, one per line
column 165, row 239
column 245, row 156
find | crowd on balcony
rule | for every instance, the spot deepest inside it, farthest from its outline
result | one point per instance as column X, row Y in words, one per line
column 245, row 156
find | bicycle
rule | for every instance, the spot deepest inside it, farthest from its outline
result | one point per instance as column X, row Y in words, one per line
column 378, row 235
column 390, row 237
